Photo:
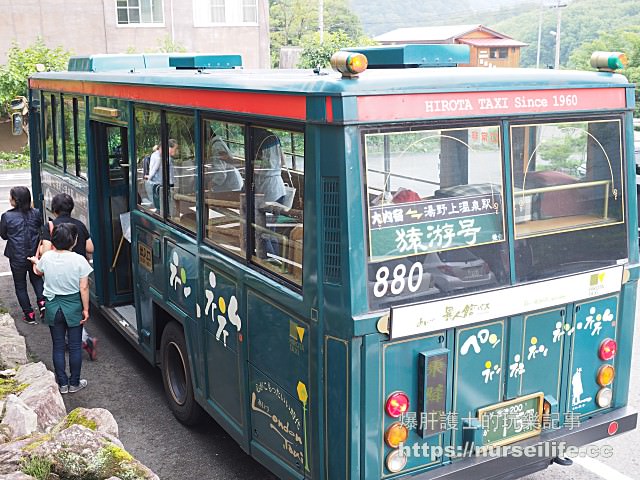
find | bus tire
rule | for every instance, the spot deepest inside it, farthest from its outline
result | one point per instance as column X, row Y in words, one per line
column 176, row 375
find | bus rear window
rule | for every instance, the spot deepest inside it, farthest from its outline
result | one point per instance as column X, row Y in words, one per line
column 568, row 197
column 435, row 213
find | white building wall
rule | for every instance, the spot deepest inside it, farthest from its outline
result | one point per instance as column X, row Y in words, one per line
column 89, row 26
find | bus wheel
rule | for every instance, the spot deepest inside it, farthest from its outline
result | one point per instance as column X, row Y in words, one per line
column 176, row 375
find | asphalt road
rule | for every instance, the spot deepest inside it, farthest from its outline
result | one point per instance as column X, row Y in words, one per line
column 125, row 384
column 121, row 381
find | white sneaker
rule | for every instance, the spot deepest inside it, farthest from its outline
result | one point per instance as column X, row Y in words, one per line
column 74, row 388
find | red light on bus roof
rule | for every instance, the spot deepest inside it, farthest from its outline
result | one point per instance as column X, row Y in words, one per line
column 397, row 404
column 608, row 349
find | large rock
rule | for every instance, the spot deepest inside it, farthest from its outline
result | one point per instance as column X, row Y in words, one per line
column 42, row 394
column 21, row 419
column 13, row 349
column 80, row 452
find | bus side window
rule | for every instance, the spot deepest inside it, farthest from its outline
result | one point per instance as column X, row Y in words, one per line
column 147, row 142
column 278, row 189
column 223, row 185
column 182, row 172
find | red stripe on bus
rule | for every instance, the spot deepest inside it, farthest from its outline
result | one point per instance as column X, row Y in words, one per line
column 329, row 110
column 275, row 105
column 470, row 104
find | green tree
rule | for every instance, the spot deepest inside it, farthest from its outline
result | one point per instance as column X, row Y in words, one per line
column 316, row 53
column 626, row 40
column 22, row 63
column 291, row 20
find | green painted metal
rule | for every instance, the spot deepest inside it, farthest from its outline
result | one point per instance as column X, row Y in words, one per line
column 204, row 61
column 414, row 55
column 315, row 358
column 106, row 63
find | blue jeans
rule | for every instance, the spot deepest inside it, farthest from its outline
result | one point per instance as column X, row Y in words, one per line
column 20, row 273
column 60, row 330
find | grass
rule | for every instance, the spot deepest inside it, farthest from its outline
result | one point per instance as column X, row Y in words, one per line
column 37, row 467
column 15, row 160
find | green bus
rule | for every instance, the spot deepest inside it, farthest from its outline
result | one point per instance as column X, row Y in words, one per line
column 394, row 269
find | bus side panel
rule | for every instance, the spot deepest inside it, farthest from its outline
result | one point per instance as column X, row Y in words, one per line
column 337, row 402
column 219, row 309
column 425, row 382
column 278, row 345
column 594, row 321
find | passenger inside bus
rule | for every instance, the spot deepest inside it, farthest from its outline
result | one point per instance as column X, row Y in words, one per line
column 222, row 175
column 269, row 188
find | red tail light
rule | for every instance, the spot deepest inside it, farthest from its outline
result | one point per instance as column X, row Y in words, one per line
column 608, row 349
column 397, row 404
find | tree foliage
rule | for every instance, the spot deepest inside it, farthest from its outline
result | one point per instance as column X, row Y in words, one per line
column 582, row 21
column 291, row 20
column 22, row 63
column 626, row 40
column 318, row 54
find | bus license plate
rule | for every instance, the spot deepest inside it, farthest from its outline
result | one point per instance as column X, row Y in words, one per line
column 512, row 420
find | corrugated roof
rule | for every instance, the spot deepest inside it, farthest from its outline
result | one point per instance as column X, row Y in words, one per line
column 492, row 42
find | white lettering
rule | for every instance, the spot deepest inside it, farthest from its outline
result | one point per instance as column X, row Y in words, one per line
column 453, row 105
column 524, row 102
column 493, row 103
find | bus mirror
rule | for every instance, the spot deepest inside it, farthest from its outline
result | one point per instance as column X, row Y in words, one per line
column 17, row 125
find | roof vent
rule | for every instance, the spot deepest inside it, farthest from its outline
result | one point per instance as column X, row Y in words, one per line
column 106, row 63
column 204, row 61
column 414, row 55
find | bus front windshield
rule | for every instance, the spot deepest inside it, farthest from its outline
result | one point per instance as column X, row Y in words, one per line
column 436, row 213
column 436, row 210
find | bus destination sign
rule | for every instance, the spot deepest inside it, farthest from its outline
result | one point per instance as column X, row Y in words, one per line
column 402, row 230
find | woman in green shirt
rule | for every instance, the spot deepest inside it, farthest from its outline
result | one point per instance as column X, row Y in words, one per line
column 66, row 288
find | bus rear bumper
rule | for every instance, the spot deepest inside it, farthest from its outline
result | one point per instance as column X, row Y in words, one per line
column 512, row 467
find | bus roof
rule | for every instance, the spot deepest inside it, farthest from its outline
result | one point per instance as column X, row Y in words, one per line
column 370, row 82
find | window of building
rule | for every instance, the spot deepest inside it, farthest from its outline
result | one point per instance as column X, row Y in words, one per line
column 231, row 12
column 278, row 200
column 138, row 12
column 501, row 52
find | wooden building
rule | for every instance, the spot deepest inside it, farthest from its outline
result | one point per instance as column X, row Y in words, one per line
column 488, row 47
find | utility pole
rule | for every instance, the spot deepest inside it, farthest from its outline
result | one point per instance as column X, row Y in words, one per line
column 539, row 36
column 559, row 5
column 321, row 19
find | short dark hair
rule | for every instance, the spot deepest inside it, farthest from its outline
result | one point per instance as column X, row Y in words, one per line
column 22, row 197
column 62, row 204
column 64, row 236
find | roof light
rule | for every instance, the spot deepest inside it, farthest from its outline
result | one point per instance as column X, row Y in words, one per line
column 349, row 64
column 608, row 61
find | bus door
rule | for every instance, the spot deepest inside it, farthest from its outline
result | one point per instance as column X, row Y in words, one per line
column 113, row 247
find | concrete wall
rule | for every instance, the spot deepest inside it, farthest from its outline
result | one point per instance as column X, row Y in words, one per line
column 89, row 26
